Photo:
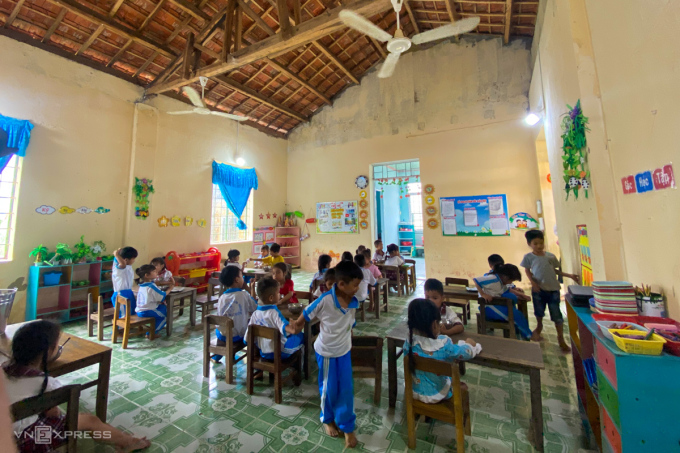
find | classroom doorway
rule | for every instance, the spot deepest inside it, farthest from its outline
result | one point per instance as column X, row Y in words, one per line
column 398, row 214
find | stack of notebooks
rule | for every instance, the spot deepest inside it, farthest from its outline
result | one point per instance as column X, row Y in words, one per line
column 615, row 298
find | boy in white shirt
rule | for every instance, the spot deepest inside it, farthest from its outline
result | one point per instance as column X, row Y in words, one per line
column 150, row 298
column 434, row 291
column 235, row 303
column 379, row 255
column 123, row 276
column 369, row 279
column 394, row 259
column 336, row 311
column 268, row 314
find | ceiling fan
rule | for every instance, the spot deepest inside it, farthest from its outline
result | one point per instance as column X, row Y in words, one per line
column 200, row 107
column 399, row 44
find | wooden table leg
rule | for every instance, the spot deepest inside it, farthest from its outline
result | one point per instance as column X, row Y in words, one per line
column 103, row 385
column 307, row 336
column 170, row 311
column 536, row 430
column 392, row 371
column 192, row 308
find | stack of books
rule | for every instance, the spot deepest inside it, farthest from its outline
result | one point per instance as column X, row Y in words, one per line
column 615, row 297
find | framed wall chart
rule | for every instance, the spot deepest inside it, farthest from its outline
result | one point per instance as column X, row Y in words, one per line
column 479, row 215
column 337, row 217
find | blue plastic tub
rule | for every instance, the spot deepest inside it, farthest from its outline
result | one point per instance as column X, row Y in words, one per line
column 52, row 278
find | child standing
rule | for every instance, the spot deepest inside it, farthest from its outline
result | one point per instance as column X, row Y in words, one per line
column 33, row 346
column 150, row 299
column 499, row 284
column 336, row 310
column 493, row 261
column 267, row 314
column 328, row 282
column 275, row 250
column 424, row 341
column 542, row 268
column 371, row 265
column 164, row 275
column 235, row 303
column 434, row 291
column 281, row 273
column 379, row 255
column 324, row 263
column 369, row 279
column 123, row 276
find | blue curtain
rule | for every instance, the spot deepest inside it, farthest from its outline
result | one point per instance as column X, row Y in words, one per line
column 235, row 185
column 18, row 136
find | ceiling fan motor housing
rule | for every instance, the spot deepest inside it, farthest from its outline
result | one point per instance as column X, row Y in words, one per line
column 398, row 45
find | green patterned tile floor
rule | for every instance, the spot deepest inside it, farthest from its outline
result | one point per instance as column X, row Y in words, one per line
column 157, row 390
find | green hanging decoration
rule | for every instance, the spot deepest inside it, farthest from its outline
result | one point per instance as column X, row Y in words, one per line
column 575, row 151
column 142, row 189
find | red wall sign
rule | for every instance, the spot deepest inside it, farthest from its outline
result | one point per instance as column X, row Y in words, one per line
column 628, row 183
column 663, row 177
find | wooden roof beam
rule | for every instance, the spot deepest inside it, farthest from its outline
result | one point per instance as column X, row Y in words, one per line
column 152, row 15
column 411, row 16
column 191, row 10
column 91, row 39
column 313, row 29
column 254, row 16
column 335, row 61
column 55, row 25
column 451, row 10
column 508, row 21
column 299, row 80
column 115, row 7
column 15, row 12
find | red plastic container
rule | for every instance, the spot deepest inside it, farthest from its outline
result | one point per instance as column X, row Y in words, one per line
column 671, row 347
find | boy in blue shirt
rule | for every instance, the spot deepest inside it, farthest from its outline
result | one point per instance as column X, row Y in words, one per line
column 542, row 268
column 123, row 276
column 336, row 310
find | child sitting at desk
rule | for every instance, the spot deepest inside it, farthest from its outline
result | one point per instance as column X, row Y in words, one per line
column 379, row 255
column 328, row 282
column 324, row 263
column 164, row 275
column 372, row 267
column 497, row 284
column 362, row 294
column 394, row 259
column 234, row 303
column 34, row 345
column 434, row 291
column 494, row 260
column 150, row 299
column 424, row 340
column 281, row 273
column 268, row 314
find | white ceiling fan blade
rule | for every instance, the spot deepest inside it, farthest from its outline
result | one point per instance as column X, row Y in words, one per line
column 446, row 31
column 183, row 112
column 193, row 96
column 363, row 25
column 389, row 65
column 230, row 116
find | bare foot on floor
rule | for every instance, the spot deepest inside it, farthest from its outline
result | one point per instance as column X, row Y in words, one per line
column 536, row 337
column 331, row 429
column 565, row 347
column 136, row 443
column 350, row 440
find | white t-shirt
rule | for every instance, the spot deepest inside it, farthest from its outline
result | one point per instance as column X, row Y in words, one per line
column 149, row 297
column 164, row 276
column 270, row 316
column 335, row 336
column 492, row 285
column 394, row 261
column 239, row 306
column 379, row 256
column 122, row 278
column 18, row 389
column 450, row 315
column 369, row 279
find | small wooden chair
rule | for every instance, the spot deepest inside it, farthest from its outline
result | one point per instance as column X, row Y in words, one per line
column 463, row 304
column 205, row 303
column 399, row 282
column 274, row 367
column 228, row 350
column 507, row 327
column 456, row 412
column 411, row 274
column 96, row 313
column 69, row 394
column 143, row 325
column 366, row 356
column 304, row 296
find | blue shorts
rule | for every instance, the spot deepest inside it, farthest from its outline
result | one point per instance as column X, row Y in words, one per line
column 552, row 300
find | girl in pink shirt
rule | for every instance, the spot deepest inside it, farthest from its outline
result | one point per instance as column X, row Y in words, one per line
column 372, row 268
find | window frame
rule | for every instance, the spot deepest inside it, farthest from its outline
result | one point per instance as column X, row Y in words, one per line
column 15, row 164
column 230, row 220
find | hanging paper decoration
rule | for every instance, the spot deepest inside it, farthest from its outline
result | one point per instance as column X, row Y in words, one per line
column 549, row 178
column 523, row 221
column 101, row 210
column 429, row 199
column 363, row 194
column 431, row 211
column 363, row 224
column 261, row 216
column 363, row 204
column 200, row 222
column 66, row 210
column 188, row 221
column 363, row 214
column 575, row 151
column 175, row 221
column 163, row 221
column 45, row 210
column 428, row 189
column 432, row 223
column 142, row 189
column 83, row 210
column 274, row 215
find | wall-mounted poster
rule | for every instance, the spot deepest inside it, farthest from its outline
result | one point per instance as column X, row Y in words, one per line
column 584, row 253
column 262, row 236
column 337, row 217
column 480, row 215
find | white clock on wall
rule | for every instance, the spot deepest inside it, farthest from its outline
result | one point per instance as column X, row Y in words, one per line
column 361, row 182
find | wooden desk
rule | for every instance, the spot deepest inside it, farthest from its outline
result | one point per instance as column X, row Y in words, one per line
column 307, row 335
column 459, row 292
column 177, row 296
column 500, row 353
column 78, row 354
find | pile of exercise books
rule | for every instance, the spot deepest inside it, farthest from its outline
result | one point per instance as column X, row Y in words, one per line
column 615, row 298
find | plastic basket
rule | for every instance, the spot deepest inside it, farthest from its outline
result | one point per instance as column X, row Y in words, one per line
column 606, row 326
column 195, row 273
column 653, row 346
column 51, row 278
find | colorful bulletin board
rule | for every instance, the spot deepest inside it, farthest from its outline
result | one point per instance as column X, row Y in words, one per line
column 262, row 236
column 481, row 215
column 337, row 217
column 584, row 252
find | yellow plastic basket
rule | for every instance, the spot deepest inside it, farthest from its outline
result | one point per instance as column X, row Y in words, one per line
column 195, row 273
column 653, row 346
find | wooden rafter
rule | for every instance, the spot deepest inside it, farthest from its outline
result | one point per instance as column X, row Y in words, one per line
column 304, row 33
column 15, row 12
column 120, row 53
column 55, row 25
column 254, row 16
column 411, row 16
column 146, row 64
column 91, row 39
column 451, row 10
column 508, row 21
column 152, row 15
column 228, row 29
column 190, row 9
column 116, row 6
column 378, row 46
column 284, row 18
column 298, row 80
column 336, row 61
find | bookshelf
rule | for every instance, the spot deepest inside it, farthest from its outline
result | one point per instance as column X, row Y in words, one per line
column 289, row 240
